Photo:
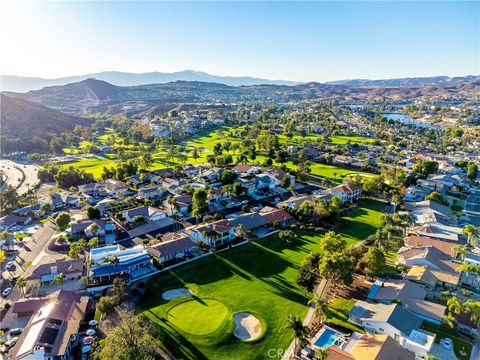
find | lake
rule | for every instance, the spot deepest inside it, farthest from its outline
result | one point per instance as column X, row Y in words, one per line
column 406, row 119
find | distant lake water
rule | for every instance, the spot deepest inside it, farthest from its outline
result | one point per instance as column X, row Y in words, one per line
column 406, row 119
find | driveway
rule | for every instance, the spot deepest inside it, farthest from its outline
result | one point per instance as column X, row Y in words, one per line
column 443, row 354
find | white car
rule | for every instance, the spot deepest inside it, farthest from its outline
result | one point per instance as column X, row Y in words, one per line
column 6, row 292
column 447, row 344
column 10, row 265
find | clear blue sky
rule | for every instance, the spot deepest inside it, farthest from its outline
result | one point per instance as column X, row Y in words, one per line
column 277, row 40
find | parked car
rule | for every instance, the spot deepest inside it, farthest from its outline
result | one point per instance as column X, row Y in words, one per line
column 16, row 331
column 10, row 265
column 6, row 292
column 447, row 343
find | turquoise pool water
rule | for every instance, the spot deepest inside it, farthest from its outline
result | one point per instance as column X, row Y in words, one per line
column 326, row 339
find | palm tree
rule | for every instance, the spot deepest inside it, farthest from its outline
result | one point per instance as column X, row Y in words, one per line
column 473, row 307
column 454, row 305
column 3, row 257
column 293, row 322
column 21, row 284
column 58, row 279
column 240, row 231
column 93, row 242
column 321, row 306
column 321, row 354
column 211, row 234
column 450, row 319
column 471, row 231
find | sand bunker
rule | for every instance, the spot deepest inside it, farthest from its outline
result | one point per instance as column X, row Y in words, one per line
column 247, row 326
column 176, row 293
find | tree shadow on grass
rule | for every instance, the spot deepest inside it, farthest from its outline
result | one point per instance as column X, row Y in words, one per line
column 176, row 342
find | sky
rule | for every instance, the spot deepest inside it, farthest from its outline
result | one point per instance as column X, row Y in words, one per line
column 300, row 41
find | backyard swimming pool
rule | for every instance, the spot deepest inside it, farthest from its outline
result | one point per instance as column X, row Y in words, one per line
column 330, row 337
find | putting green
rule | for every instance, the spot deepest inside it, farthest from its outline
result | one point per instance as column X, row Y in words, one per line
column 198, row 316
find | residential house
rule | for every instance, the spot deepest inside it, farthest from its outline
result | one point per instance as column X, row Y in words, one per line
column 104, row 205
column 280, row 177
column 429, row 211
column 428, row 256
column 393, row 320
column 71, row 270
column 93, row 190
column 116, row 187
column 295, row 202
column 440, row 232
column 8, row 222
column 448, row 248
column 410, row 294
column 183, row 201
column 52, row 330
column 431, row 279
column 379, row 347
column 61, row 200
column 346, row 192
column 342, row 160
column 276, row 216
column 151, row 193
column 88, row 228
column 224, row 229
column 250, row 221
column 109, row 262
column 147, row 212
column 172, row 246
column 29, row 211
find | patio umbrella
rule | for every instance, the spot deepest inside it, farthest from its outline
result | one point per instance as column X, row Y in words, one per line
column 92, row 323
column 88, row 340
column 86, row 349
column 91, row 332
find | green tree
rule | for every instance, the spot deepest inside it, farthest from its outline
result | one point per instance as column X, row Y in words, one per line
column 437, row 197
column 471, row 231
column 58, row 280
column 472, row 171
column 228, row 177
column 21, row 284
column 332, row 242
column 454, row 305
column 93, row 242
column 288, row 236
column 375, row 261
column 93, row 213
column 199, row 203
column 131, row 337
column 321, row 306
column 294, row 323
column 63, row 220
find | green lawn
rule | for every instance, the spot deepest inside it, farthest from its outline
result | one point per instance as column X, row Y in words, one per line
column 444, row 331
column 337, row 314
column 205, row 141
column 258, row 277
column 363, row 221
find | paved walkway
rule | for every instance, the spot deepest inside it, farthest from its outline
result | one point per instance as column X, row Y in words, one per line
column 308, row 319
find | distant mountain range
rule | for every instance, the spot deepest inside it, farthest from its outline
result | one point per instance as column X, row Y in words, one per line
column 92, row 95
column 24, row 119
column 23, row 84
column 417, row 81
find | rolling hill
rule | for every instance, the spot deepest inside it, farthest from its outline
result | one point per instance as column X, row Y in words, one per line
column 92, row 95
column 24, row 119
column 24, row 84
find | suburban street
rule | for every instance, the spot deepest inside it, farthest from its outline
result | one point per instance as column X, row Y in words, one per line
column 14, row 174
column 34, row 250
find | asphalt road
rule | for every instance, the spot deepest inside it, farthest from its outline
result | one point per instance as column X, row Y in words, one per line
column 33, row 251
column 14, row 175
